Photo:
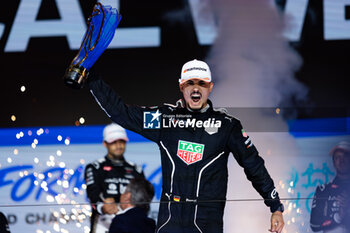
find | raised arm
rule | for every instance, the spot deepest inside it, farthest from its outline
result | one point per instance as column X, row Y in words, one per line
column 129, row 117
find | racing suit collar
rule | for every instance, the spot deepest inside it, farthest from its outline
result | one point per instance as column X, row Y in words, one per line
column 117, row 162
column 182, row 103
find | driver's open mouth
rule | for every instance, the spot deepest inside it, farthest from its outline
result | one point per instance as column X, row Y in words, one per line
column 196, row 97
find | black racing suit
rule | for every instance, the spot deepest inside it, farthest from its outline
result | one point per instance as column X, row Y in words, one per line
column 194, row 159
column 105, row 178
column 326, row 210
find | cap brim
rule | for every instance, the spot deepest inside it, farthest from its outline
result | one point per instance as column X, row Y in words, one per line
column 203, row 79
column 345, row 149
column 110, row 140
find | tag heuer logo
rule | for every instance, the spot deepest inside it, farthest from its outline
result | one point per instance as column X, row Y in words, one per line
column 190, row 152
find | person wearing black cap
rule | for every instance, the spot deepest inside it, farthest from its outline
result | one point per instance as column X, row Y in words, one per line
column 195, row 141
column 107, row 178
column 330, row 211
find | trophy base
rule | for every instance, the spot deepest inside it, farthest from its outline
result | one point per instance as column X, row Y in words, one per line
column 75, row 77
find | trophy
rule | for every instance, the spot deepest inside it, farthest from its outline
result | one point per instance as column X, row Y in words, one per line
column 101, row 28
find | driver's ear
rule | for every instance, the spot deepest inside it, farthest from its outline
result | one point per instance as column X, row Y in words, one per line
column 181, row 87
column 211, row 87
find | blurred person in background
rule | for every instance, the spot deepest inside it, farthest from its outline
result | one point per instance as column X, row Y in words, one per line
column 330, row 211
column 4, row 225
column 107, row 178
column 134, row 207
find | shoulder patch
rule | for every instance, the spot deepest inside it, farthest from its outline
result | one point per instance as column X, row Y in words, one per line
column 98, row 162
column 138, row 169
column 130, row 163
column 101, row 160
column 135, row 166
column 221, row 110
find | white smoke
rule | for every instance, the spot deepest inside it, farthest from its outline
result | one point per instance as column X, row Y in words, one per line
column 254, row 66
column 252, row 63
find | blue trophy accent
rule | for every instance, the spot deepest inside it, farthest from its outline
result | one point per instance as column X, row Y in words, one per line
column 102, row 25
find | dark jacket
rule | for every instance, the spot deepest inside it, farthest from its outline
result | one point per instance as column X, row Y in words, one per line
column 325, row 211
column 105, row 178
column 194, row 159
column 133, row 220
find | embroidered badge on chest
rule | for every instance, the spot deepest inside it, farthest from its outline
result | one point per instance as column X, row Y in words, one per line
column 107, row 168
column 190, row 152
column 211, row 130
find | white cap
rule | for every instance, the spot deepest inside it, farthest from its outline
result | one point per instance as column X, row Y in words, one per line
column 343, row 145
column 113, row 132
column 195, row 69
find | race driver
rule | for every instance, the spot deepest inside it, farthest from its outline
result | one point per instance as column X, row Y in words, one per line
column 107, row 178
column 330, row 212
column 195, row 141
